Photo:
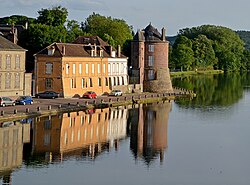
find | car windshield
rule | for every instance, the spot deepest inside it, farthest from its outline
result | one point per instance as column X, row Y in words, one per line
column 21, row 98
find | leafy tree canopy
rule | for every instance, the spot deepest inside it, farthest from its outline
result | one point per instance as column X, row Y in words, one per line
column 57, row 16
column 114, row 31
column 16, row 20
column 213, row 47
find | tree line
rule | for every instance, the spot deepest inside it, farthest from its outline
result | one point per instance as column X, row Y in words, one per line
column 52, row 25
column 209, row 47
column 198, row 48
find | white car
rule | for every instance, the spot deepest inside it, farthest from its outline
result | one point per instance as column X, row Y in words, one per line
column 115, row 93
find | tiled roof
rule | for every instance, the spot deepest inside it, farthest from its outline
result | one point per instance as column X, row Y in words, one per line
column 90, row 40
column 8, row 45
column 81, row 47
column 150, row 33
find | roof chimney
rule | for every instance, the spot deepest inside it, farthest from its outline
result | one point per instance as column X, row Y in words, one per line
column 118, row 51
column 110, row 50
column 163, row 31
column 63, row 50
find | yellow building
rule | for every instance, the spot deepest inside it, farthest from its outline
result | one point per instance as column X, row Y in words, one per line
column 72, row 69
column 13, row 79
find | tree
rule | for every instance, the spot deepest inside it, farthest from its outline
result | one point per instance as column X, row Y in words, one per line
column 203, row 53
column 114, row 31
column 16, row 20
column 74, row 30
column 56, row 16
column 183, row 57
column 215, row 46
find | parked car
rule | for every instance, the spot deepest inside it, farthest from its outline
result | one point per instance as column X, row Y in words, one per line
column 89, row 94
column 5, row 101
column 115, row 93
column 23, row 100
column 47, row 94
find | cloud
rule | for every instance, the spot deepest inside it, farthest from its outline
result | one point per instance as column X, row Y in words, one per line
column 89, row 5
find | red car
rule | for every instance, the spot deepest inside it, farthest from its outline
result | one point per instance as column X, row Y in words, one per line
column 89, row 94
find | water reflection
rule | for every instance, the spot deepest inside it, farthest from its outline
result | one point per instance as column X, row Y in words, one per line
column 83, row 135
column 213, row 90
column 13, row 136
column 148, row 131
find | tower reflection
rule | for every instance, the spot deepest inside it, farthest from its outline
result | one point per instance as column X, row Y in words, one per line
column 148, row 131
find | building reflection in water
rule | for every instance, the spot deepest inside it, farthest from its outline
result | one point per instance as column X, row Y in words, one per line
column 84, row 135
column 13, row 136
column 148, row 131
column 79, row 134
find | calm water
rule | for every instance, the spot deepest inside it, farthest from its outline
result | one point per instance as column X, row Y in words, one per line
column 202, row 141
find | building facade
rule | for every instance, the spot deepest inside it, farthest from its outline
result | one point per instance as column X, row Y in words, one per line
column 117, row 63
column 13, row 79
column 149, row 60
column 71, row 69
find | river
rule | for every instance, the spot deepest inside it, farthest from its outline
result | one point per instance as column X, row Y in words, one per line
column 199, row 141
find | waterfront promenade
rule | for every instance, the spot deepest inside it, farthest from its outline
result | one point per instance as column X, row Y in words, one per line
column 54, row 106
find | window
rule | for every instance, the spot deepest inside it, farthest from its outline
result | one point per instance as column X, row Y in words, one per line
column 17, row 80
column 7, row 81
column 123, row 83
column 0, row 80
column 17, row 62
column 73, row 83
column 83, row 82
column 118, row 81
column 93, row 68
column 99, row 68
column 117, row 68
column 67, row 68
column 48, row 83
column 104, row 68
column 74, row 69
column 109, row 68
column 114, row 81
column 8, row 62
column 47, row 139
column 150, row 60
column 80, row 68
column 99, row 81
column 87, row 68
column 47, row 124
column 151, row 48
column 151, row 74
column 106, row 81
column 0, row 61
column 49, row 68
column 122, row 68
column 90, row 82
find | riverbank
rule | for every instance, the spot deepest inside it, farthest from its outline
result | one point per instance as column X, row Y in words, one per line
column 186, row 73
column 47, row 107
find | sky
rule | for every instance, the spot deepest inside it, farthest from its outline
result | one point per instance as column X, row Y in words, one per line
column 171, row 14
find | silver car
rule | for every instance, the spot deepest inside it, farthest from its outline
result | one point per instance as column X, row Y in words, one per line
column 5, row 101
column 115, row 93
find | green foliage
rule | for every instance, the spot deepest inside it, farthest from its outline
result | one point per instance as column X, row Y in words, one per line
column 74, row 30
column 16, row 20
column 56, row 16
column 213, row 47
column 213, row 90
column 114, row 31
column 245, row 36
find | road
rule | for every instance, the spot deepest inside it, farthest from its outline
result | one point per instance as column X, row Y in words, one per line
column 45, row 104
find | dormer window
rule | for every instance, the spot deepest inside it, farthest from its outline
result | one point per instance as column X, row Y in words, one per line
column 101, row 53
column 92, row 52
column 51, row 51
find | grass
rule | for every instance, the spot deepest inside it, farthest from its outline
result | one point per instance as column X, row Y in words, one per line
column 185, row 73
